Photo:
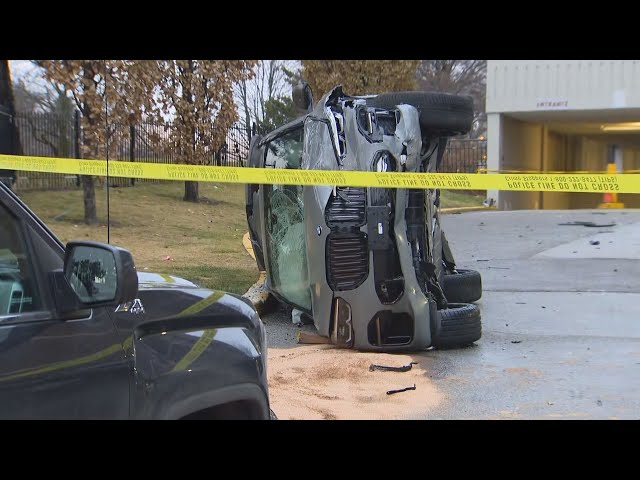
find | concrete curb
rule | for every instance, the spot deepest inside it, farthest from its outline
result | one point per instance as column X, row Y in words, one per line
column 246, row 243
column 258, row 294
column 465, row 209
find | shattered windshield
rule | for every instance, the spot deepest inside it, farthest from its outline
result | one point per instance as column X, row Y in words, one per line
column 286, row 246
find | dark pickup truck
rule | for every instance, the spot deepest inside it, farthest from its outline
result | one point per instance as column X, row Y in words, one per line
column 84, row 336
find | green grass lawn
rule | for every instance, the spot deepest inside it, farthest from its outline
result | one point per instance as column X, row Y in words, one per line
column 460, row 198
column 203, row 240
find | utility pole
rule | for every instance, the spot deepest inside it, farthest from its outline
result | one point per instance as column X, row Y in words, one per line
column 9, row 134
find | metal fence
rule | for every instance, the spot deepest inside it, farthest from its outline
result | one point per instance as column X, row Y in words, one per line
column 55, row 135
column 464, row 156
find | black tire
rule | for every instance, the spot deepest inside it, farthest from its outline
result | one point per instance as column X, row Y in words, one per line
column 440, row 113
column 459, row 325
column 462, row 287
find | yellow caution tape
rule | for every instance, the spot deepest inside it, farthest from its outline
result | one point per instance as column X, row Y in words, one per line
column 547, row 182
column 488, row 170
column 200, row 305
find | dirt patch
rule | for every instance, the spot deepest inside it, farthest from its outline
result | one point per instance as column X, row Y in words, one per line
column 323, row 382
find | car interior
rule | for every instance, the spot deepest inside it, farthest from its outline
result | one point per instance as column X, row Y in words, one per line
column 15, row 291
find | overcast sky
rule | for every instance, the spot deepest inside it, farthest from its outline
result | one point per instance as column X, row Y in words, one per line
column 28, row 72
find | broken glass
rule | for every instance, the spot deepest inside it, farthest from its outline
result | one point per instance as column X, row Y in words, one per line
column 285, row 224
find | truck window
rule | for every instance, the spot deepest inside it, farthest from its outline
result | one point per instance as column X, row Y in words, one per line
column 17, row 288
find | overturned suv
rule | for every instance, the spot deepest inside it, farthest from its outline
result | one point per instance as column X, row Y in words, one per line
column 370, row 265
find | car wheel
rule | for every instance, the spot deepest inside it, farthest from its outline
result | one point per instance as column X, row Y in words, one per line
column 465, row 286
column 440, row 113
column 457, row 326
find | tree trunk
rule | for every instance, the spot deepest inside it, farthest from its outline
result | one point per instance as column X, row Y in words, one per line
column 89, row 197
column 88, row 192
column 191, row 192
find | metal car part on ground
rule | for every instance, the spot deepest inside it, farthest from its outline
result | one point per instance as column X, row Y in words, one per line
column 366, row 263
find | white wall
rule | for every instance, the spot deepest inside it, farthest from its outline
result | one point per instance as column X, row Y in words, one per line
column 521, row 150
column 494, row 149
column 592, row 90
column 529, row 85
column 556, row 158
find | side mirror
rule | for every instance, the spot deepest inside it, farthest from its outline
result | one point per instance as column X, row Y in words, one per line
column 95, row 275
column 302, row 97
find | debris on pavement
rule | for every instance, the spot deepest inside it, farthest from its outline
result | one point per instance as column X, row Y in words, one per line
column 391, row 392
column 594, row 242
column 384, row 368
column 309, row 382
column 589, row 224
column 516, row 341
column 296, row 317
column 549, row 403
column 500, row 268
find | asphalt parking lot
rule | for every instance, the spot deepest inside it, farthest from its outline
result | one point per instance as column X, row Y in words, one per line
column 561, row 321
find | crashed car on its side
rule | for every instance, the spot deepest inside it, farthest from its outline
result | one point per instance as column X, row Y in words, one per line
column 368, row 264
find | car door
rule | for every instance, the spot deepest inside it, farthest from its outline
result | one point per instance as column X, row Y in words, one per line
column 50, row 367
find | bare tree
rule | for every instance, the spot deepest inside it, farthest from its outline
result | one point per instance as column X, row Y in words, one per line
column 49, row 121
column 198, row 94
column 26, row 99
column 460, row 77
column 271, row 81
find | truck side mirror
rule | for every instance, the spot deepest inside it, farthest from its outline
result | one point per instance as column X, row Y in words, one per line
column 94, row 275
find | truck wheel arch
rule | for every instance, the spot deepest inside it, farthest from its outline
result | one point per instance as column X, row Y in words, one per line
column 250, row 394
